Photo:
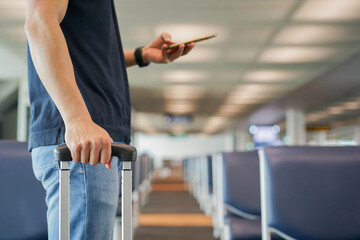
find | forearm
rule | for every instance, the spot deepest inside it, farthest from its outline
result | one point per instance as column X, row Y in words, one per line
column 53, row 64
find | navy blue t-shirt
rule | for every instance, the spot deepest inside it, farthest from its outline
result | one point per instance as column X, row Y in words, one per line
column 92, row 35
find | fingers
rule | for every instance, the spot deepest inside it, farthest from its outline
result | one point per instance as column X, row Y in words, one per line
column 93, row 152
column 166, row 37
column 105, row 154
column 85, row 152
column 108, row 165
column 188, row 48
column 174, row 54
column 165, row 55
column 75, row 152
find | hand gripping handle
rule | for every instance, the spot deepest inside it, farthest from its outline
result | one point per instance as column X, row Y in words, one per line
column 125, row 153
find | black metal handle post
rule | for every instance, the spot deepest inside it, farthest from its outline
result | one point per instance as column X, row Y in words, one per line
column 125, row 153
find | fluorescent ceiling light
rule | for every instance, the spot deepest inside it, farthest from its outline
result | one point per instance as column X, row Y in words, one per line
column 249, row 97
column 184, row 76
column 180, row 108
column 217, row 121
column 312, row 34
column 11, row 4
column 328, row 10
column 351, row 105
column 229, row 110
column 270, row 75
column 183, row 92
column 335, row 110
column 297, row 54
column 255, row 91
column 317, row 115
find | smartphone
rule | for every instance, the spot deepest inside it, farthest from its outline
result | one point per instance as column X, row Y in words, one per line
column 194, row 40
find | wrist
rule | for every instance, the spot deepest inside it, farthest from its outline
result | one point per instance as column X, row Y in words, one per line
column 145, row 56
column 140, row 57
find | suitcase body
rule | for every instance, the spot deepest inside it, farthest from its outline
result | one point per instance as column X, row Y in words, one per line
column 126, row 154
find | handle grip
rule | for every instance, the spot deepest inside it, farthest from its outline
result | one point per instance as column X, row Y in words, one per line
column 125, row 153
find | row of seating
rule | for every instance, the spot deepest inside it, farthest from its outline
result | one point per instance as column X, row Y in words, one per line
column 284, row 192
column 22, row 197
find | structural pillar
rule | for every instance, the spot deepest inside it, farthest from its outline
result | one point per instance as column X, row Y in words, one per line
column 357, row 134
column 295, row 127
column 23, row 104
column 320, row 137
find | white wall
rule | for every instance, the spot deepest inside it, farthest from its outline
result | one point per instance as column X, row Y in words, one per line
column 162, row 146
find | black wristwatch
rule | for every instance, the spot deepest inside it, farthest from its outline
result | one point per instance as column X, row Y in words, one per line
column 138, row 57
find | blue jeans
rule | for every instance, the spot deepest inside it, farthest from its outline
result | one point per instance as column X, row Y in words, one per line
column 94, row 193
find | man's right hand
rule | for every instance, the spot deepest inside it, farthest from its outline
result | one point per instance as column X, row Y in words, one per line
column 88, row 143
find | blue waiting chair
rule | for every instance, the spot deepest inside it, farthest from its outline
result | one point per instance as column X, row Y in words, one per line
column 311, row 192
column 22, row 198
column 240, row 196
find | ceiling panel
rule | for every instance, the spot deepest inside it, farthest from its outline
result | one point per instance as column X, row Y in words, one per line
column 279, row 45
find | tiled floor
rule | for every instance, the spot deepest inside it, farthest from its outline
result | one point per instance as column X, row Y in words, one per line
column 172, row 213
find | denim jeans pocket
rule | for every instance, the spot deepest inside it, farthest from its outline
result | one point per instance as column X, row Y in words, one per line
column 44, row 167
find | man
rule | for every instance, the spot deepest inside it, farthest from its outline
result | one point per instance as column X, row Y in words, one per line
column 79, row 95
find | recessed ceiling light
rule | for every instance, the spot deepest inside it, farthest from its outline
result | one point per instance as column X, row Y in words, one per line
column 183, row 92
column 13, row 4
column 184, row 76
column 335, row 110
column 217, row 121
column 270, row 75
column 180, row 108
column 297, row 54
column 328, row 10
column 351, row 105
column 316, row 34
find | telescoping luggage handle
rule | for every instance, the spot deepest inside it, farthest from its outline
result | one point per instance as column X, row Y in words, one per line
column 126, row 154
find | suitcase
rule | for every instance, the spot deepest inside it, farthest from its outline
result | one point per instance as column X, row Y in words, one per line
column 126, row 154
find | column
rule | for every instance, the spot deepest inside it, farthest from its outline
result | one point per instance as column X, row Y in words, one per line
column 23, row 103
column 295, row 127
column 357, row 134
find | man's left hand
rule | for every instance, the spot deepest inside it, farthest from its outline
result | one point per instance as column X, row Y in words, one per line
column 157, row 52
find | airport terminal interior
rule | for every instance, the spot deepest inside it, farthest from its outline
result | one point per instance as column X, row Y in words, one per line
column 254, row 134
